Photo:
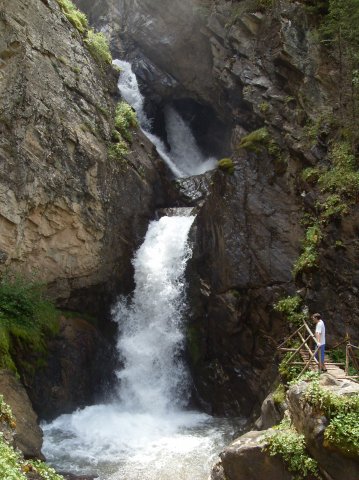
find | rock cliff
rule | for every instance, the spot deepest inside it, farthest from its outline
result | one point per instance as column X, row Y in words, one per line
column 68, row 213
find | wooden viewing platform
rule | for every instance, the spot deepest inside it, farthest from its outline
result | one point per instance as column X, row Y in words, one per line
column 304, row 354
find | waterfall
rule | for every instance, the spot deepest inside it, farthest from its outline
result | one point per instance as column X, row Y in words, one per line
column 146, row 431
column 151, row 324
column 184, row 157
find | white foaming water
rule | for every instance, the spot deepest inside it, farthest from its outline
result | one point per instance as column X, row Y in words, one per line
column 145, row 434
column 184, row 158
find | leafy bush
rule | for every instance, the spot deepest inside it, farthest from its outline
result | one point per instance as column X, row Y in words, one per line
column 343, row 414
column 118, row 150
column 75, row 16
column 25, row 314
column 343, row 433
column 125, row 119
column 286, row 442
column 98, row 47
column 309, row 256
column 291, row 308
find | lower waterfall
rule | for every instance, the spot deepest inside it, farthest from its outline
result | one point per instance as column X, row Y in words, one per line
column 146, row 432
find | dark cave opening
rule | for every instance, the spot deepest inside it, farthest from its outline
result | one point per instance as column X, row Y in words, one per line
column 211, row 134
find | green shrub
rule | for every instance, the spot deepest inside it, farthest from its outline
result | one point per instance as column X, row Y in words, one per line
column 227, row 165
column 98, row 47
column 125, row 120
column 343, row 414
column 118, row 151
column 342, row 177
column 25, row 314
column 308, row 258
column 343, row 433
column 291, row 307
column 77, row 18
column 286, row 442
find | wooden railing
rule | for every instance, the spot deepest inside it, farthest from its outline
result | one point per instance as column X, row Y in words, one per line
column 308, row 349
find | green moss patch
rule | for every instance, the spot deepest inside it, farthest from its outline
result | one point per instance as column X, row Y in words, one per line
column 26, row 316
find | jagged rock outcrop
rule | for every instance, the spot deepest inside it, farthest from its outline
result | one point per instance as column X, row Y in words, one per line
column 68, row 212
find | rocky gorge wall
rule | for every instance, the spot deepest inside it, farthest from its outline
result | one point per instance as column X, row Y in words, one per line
column 69, row 214
column 255, row 67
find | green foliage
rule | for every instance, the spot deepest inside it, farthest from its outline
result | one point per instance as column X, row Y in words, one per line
column 255, row 140
column 291, row 308
column 13, row 466
column 343, row 176
column 342, row 411
column 10, row 462
column 118, row 151
column 77, row 18
column 44, row 470
column 264, row 107
column 6, row 414
column 125, row 119
column 279, row 394
column 289, row 372
column 227, row 165
column 25, row 314
column 343, row 433
column 309, row 256
column 286, row 442
column 260, row 139
column 98, row 47
column 340, row 31
column 332, row 206
column 338, row 355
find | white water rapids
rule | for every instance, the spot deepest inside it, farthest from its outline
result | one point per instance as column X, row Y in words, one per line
column 146, row 432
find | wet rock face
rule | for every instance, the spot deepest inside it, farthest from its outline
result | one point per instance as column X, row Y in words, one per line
column 66, row 210
column 75, row 371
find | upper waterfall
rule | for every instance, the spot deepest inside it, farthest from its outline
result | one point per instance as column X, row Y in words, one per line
column 184, row 157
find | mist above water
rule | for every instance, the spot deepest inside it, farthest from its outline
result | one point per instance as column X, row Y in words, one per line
column 184, row 157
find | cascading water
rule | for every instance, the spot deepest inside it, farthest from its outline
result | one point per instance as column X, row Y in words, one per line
column 184, row 158
column 145, row 433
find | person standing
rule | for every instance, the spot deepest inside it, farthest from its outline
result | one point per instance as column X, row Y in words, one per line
column 320, row 338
